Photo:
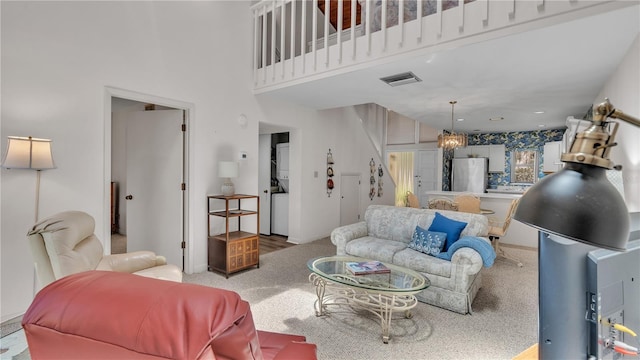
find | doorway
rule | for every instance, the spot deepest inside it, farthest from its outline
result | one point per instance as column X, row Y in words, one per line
column 273, row 182
column 425, row 174
column 349, row 199
column 415, row 171
column 148, row 180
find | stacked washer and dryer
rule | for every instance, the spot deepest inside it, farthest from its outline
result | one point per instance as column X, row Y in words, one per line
column 280, row 200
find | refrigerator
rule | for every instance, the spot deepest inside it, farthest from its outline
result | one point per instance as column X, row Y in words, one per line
column 469, row 174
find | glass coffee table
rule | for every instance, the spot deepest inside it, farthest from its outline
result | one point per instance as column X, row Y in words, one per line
column 380, row 294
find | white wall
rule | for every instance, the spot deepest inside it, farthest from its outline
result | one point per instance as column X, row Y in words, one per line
column 57, row 59
column 309, row 131
column 353, row 154
column 313, row 214
column 623, row 90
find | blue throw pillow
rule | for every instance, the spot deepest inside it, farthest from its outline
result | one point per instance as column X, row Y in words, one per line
column 451, row 227
column 428, row 242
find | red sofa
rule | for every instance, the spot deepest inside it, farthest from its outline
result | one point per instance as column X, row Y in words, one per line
column 112, row 315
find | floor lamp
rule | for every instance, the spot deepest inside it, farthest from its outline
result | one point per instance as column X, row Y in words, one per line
column 29, row 153
column 576, row 210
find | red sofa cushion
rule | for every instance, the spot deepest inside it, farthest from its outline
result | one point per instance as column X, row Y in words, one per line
column 105, row 314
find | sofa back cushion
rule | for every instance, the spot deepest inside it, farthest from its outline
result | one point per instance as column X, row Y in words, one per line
column 139, row 317
column 398, row 223
column 391, row 222
column 70, row 243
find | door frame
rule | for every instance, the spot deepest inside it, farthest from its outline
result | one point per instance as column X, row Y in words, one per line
column 188, row 108
column 422, row 197
column 265, row 128
column 265, row 211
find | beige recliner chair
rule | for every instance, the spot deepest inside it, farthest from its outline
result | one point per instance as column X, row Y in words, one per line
column 65, row 244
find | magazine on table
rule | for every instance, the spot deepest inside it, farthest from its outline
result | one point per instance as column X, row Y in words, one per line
column 367, row 267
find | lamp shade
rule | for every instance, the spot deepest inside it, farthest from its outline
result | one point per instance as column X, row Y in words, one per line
column 578, row 203
column 452, row 140
column 28, row 153
column 227, row 169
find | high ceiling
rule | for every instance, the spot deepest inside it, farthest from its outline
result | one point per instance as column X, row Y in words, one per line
column 559, row 69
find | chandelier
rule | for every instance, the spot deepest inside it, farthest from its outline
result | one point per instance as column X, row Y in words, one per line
column 452, row 140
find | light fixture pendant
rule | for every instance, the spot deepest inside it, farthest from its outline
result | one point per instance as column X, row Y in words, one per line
column 452, row 140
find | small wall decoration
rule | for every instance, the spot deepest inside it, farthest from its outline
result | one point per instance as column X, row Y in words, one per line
column 380, row 173
column 330, row 184
column 372, row 179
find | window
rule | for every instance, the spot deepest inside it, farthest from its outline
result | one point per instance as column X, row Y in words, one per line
column 524, row 166
column 401, row 170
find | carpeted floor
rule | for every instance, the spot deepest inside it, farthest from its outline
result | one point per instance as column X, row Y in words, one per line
column 13, row 344
column 503, row 324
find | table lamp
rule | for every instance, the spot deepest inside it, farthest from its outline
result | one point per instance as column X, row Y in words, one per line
column 29, row 153
column 228, row 170
column 578, row 203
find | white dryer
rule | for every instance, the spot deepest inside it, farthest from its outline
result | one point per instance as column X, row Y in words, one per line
column 280, row 214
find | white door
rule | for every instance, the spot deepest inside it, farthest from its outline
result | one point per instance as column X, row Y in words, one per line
column 349, row 199
column 426, row 174
column 264, row 181
column 154, row 176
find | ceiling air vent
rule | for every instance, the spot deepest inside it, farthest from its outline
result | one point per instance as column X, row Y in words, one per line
column 401, row 79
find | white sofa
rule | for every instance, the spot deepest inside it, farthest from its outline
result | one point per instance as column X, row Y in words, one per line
column 385, row 234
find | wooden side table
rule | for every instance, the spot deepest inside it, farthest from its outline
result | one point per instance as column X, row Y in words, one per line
column 233, row 250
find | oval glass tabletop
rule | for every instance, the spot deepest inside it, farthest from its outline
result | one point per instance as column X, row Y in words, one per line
column 397, row 280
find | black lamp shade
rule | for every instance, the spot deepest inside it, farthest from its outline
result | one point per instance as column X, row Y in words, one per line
column 578, row 203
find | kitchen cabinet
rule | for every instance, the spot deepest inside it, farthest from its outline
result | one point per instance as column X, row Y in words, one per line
column 551, row 155
column 282, row 158
column 282, row 165
column 233, row 251
column 461, row 152
column 495, row 154
column 472, row 151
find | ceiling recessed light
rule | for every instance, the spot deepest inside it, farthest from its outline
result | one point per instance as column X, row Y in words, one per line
column 461, row 119
column 499, row 118
column 541, row 125
column 538, row 112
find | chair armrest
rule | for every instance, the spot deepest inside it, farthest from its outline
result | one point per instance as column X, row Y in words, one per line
column 161, row 260
column 297, row 351
column 342, row 235
column 130, row 262
column 163, row 272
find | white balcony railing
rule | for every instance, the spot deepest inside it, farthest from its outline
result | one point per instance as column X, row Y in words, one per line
column 295, row 42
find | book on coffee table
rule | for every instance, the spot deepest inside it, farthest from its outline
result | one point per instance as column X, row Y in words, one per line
column 367, row 267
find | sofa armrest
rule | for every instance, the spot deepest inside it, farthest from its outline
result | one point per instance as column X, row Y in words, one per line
column 130, row 262
column 469, row 258
column 342, row 235
column 168, row 272
column 161, row 260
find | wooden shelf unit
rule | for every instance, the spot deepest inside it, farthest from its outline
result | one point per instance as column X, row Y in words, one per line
column 233, row 250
